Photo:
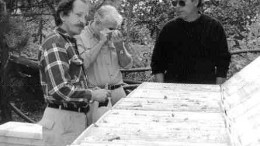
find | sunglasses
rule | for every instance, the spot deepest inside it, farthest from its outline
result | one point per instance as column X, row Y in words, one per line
column 181, row 3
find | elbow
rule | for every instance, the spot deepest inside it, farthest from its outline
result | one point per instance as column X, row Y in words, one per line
column 60, row 93
column 87, row 61
column 128, row 65
column 158, row 68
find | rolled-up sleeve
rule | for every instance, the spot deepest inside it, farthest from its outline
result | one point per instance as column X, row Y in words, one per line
column 130, row 64
column 83, row 51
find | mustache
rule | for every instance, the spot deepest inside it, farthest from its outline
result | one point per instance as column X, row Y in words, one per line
column 81, row 25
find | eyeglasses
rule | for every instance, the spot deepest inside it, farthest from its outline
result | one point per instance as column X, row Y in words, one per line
column 181, row 3
column 108, row 30
column 111, row 29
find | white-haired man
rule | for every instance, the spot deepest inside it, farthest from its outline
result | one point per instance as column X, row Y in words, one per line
column 102, row 48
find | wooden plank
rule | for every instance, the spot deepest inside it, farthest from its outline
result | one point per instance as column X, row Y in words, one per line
column 244, row 108
column 242, row 104
column 151, row 115
column 148, row 143
column 118, row 121
column 248, row 75
column 171, row 104
column 105, row 134
column 180, row 87
column 136, row 117
column 244, row 124
column 159, row 114
column 158, row 125
column 171, row 94
column 133, row 133
column 241, row 95
column 246, row 130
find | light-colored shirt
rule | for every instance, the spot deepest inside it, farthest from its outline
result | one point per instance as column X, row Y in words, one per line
column 105, row 69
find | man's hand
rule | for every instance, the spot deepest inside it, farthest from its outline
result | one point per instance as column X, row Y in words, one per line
column 103, row 37
column 220, row 80
column 159, row 77
column 117, row 39
column 117, row 36
column 101, row 95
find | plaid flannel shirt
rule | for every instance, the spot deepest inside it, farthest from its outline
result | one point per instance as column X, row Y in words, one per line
column 61, row 71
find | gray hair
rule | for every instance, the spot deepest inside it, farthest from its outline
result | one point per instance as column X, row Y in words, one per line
column 108, row 13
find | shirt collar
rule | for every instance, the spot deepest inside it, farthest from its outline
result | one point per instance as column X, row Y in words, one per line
column 64, row 33
column 92, row 31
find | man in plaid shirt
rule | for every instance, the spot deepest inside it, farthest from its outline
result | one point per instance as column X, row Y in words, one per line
column 63, row 78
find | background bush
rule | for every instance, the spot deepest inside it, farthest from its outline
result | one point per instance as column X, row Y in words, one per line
column 30, row 21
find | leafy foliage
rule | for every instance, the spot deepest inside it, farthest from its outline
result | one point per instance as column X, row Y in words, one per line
column 142, row 24
column 143, row 21
column 31, row 20
column 241, row 21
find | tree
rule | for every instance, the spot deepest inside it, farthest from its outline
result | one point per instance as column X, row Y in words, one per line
column 13, row 39
column 143, row 20
column 241, row 21
column 5, row 111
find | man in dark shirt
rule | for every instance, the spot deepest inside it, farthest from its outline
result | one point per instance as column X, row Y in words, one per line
column 191, row 48
column 63, row 79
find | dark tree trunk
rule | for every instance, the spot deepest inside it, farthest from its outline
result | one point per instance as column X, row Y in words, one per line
column 5, row 109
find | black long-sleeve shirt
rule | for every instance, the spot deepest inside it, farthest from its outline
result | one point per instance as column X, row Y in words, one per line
column 191, row 52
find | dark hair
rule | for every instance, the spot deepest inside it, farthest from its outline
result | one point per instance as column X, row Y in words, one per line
column 200, row 4
column 65, row 7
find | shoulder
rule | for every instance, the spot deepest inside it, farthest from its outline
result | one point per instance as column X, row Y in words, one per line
column 53, row 39
column 212, row 21
column 172, row 24
column 171, row 27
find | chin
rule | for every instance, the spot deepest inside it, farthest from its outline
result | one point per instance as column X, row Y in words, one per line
column 182, row 17
column 78, row 32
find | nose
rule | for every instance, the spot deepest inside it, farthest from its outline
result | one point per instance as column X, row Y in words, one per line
column 178, row 5
column 83, row 20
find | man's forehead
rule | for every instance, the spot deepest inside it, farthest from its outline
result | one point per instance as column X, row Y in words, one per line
column 80, row 6
column 109, row 23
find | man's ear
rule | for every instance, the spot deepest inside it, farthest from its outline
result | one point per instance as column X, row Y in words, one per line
column 196, row 3
column 96, row 19
column 62, row 16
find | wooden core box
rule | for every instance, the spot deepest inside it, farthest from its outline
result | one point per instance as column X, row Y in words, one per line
column 21, row 134
column 161, row 114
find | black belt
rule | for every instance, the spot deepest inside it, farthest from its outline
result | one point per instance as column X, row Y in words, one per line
column 112, row 87
column 69, row 107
